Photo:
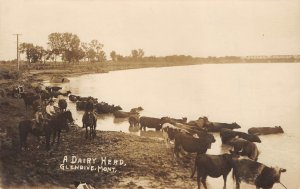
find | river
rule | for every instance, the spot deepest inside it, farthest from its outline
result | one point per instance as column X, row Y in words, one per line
column 253, row 95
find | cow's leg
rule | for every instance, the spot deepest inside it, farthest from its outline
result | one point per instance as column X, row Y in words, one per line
column 90, row 132
column 237, row 183
column 194, row 170
column 203, row 180
column 225, row 179
column 198, row 179
column 86, row 132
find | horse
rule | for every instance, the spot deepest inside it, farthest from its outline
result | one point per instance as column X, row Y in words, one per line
column 89, row 120
column 53, row 127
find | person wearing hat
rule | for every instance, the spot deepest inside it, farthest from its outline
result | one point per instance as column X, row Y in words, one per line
column 50, row 109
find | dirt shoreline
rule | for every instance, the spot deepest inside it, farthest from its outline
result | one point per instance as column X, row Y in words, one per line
column 149, row 162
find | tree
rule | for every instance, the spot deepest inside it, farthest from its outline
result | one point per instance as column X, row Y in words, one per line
column 101, row 57
column 65, row 44
column 95, row 51
column 113, row 56
column 134, row 54
column 141, row 53
column 91, row 55
column 33, row 53
column 70, row 44
column 55, row 44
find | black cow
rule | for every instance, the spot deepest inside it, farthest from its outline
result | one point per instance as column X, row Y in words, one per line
column 213, row 166
column 265, row 130
column 80, row 105
column 73, row 98
column 62, row 104
column 134, row 120
column 216, row 127
column 105, row 108
column 227, row 135
column 151, row 122
column 191, row 144
column 255, row 173
column 244, row 148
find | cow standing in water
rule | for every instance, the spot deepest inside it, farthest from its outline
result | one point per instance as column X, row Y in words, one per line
column 191, row 144
column 265, row 130
column 255, row 173
column 213, row 166
column 244, row 148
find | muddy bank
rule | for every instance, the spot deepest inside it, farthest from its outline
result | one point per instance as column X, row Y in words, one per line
column 146, row 163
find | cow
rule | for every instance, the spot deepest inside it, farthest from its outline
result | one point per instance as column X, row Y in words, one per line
column 136, row 110
column 213, row 166
column 62, row 104
column 73, row 98
column 134, row 120
column 191, row 144
column 216, row 126
column 256, row 173
column 104, row 108
column 265, row 130
column 227, row 135
column 174, row 120
column 151, row 122
column 244, row 148
column 201, row 122
column 80, row 105
column 173, row 129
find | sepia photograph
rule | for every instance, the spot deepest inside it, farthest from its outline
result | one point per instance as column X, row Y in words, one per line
column 149, row 94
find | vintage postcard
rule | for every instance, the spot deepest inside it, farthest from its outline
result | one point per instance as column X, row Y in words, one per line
column 145, row 94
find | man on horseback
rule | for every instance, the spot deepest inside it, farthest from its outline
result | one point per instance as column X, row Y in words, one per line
column 50, row 110
column 39, row 119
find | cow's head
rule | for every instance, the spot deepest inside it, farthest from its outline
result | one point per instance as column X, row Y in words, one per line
column 254, row 138
column 268, row 177
column 279, row 128
column 171, row 132
column 235, row 125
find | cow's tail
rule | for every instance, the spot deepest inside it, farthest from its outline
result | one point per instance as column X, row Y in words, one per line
column 195, row 168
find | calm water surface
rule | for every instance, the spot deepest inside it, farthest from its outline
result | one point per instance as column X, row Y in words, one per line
column 253, row 95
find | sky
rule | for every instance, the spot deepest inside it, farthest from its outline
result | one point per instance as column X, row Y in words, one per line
column 198, row 28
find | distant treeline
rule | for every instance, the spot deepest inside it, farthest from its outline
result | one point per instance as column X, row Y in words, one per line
column 67, row 47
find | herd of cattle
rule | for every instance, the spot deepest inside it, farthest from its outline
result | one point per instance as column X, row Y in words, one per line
column 195, row 137
column 191, row 137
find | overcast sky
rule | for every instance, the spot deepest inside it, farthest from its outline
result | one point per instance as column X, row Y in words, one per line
column 197, row 28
